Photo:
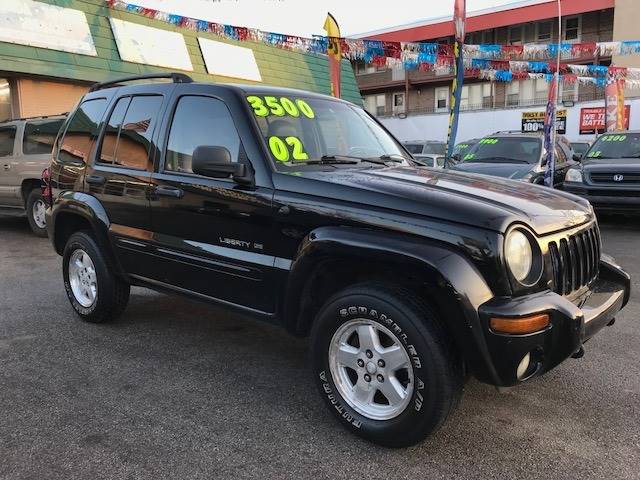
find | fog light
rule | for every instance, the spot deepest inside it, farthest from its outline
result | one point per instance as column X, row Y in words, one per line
column 523, row 366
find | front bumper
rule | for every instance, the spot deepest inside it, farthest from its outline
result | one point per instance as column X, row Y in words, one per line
column 572, row 323
column 618, row 199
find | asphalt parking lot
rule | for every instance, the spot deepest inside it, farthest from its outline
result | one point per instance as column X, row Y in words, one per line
column 177, row 389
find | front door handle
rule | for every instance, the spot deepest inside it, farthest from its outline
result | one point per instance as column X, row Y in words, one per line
column 7, row 166
column 96, row 180
column 169, row 192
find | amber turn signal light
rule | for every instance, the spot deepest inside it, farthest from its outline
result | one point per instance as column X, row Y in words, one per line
column 520, row 325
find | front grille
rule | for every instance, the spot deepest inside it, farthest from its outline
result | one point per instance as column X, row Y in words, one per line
column 575, row 260
column 609, row 177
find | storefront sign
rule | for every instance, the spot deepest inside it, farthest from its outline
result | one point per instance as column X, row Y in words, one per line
column 150, row 46
column 534, row 121
column 592, row 120
column 37, row 24
column 229, row 60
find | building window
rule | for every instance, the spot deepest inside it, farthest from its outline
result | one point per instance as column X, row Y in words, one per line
column 361, row 68
column 398, row 103
column 487, row 97
column 513, row 94
column 5, row 100
column 543, row 31
column 515, row 35
column 572, row 29
column 375, row 104
column 488, row 36
column 442, row 98
column 542, row 90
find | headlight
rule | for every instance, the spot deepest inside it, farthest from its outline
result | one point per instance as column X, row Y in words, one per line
column 523, row 257
column 573, row 175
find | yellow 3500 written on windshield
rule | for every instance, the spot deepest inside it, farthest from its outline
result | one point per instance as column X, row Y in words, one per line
column 279, row 107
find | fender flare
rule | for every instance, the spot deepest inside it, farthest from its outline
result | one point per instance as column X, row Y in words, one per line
column 460, row 287
column 88, row 208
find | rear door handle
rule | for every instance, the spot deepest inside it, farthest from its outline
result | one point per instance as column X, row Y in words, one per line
column 7, row 166
column 169, row 192
column 96, row 180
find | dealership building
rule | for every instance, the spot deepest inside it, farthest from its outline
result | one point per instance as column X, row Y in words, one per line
column 390, row 92
column 51, row 51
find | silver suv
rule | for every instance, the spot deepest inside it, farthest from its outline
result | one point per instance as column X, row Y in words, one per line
column 25, row 151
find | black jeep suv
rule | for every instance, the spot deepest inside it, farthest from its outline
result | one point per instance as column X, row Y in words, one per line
column 300, row 209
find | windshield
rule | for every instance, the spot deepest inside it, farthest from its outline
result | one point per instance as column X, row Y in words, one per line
column 462, row 148
column 625, row 145
column 505, row 149
column 580, row 148
column 300, row 131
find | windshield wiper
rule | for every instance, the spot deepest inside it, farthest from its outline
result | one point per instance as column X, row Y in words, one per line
column 333, row 160
column 382, row 159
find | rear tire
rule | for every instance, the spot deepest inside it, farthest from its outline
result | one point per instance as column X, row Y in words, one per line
column 35, row 209
column 95, row 292
column 411, row 352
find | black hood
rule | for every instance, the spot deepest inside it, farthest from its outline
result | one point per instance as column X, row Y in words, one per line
column 611, row 164
column 477, row 200
column 513, row 171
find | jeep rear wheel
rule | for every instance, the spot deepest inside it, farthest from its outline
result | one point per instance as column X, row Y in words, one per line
column 35, row 209
column 95, row 292
column 384, row 364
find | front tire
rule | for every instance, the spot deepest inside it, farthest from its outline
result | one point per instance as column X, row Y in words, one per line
column 35, row 209
column 384, row 364
column 96, row 294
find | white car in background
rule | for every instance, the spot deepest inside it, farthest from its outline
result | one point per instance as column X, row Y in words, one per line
column 428, row 153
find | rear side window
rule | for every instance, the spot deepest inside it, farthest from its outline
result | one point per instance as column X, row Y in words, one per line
column 7, row 138
column 75, row 146
column 39, row 136
column 413, row 148
column 199, row 121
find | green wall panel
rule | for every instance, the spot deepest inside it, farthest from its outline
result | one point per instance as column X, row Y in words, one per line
column 277, row 67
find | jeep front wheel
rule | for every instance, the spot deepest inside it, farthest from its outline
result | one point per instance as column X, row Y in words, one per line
column 95, row 292
column 384, row 364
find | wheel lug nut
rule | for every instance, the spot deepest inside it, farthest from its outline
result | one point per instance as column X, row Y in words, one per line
column 360, row 363
column 367, row 377
column 369, row 354
column 381, row 363
column 380, row 378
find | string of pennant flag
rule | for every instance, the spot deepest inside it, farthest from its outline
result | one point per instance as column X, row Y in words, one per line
column 491, row 61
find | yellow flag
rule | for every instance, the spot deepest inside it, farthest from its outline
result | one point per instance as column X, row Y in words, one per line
column 334, row 53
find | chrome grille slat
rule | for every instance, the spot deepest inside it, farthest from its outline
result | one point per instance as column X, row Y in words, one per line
column 574, row 260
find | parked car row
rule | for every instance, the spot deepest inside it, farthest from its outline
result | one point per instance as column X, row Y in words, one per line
column 607, row 172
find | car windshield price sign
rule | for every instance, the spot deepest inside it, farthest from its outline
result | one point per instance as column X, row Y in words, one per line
column 534, row 121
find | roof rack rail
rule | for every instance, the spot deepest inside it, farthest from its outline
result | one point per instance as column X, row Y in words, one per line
column 510, row 131
column 36, row 117
column 175, row 77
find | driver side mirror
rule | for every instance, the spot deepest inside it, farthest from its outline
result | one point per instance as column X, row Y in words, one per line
column 577, row 156
column 215, row 162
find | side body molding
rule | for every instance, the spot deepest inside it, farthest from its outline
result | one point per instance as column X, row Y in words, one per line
column 458, row 287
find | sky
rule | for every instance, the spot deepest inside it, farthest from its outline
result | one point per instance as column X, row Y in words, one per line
column 306, row 17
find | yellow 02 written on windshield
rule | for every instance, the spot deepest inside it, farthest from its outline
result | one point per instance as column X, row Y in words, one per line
column 279, row 107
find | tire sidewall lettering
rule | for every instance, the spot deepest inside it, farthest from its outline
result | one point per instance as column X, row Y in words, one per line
column 371, row 313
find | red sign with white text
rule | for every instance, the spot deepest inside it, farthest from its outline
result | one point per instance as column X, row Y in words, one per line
column 592, row 120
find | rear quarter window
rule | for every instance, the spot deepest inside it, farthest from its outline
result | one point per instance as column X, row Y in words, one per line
column 82, row 130
column 7, row 139
column 39, row 136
